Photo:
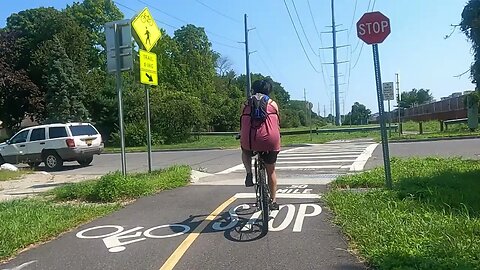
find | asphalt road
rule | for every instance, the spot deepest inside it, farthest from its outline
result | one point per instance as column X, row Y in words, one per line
column 212, row 223
column 301, row 236
column 465, row 148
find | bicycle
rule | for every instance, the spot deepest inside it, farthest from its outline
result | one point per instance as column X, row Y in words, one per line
column 262, row 190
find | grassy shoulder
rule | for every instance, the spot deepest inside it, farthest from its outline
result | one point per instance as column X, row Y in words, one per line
column 6, row 175
column 429, row 220
column 32, row 221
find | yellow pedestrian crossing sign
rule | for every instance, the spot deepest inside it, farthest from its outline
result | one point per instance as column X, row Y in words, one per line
column 146, row 29
column 148, row 68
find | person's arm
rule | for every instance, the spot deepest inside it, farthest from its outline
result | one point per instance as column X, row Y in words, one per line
column 274, row 104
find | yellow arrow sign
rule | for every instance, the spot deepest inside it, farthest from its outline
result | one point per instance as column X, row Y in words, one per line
column 148, row 68
column 146, row 29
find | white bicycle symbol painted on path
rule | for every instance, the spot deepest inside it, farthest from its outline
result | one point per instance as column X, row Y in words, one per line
column 113, row 239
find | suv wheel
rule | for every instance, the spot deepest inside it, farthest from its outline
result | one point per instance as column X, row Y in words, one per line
column 85, row 161
column 34, row 164
column 1, row 160
column 53, row 161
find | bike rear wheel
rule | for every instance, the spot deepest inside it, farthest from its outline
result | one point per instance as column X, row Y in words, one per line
column 264, row 198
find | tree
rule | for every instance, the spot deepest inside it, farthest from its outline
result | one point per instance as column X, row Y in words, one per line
column 65, row 92
column 470, row 25
column 415, row 97
column 359, row 114
column 18, row 94
column 92, row 15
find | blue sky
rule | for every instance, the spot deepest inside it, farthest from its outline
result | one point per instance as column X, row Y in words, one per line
column 416, row 48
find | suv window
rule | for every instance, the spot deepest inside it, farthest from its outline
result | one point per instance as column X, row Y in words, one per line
column 57, row 132
column 38, row 134
column 20, row 138
column 83, row 130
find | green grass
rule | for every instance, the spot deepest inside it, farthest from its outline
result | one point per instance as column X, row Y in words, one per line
column 114, row 187
column 435, row 135
column 429, row 220
column 10, row 175
column 29, row 221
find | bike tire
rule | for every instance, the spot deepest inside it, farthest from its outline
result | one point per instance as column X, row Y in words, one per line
column 265, row 198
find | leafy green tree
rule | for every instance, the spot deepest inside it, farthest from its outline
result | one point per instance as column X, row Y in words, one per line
column 359, row 114
column 415, row 97
column 470, row 25
column 18, row 94
column 65, row 92
column 91, row 15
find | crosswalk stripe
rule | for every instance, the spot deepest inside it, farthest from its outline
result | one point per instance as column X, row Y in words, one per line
column 338, row 158
column 315, row 157
column 313, row 161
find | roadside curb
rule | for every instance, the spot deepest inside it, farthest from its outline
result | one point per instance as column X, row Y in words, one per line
column 435, row 139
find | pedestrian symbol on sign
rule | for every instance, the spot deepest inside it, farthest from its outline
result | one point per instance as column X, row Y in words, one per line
column 147, row 33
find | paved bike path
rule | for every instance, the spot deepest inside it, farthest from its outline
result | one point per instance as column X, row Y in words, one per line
column 301, row 236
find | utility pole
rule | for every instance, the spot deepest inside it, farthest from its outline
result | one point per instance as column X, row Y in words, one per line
column 247, row 58
column 324, row 111
column 398, row 106
column 335, row 68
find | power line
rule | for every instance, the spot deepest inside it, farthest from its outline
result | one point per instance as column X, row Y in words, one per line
column 262, row 43
column 353, row 19
column 185, row 22
column 218, row 12
column 303, row 29
column 298, row 36
column 320, row 55
column 135, row 11
column 176, row 27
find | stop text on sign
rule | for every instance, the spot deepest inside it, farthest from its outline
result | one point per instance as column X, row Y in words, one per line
column 373, row 28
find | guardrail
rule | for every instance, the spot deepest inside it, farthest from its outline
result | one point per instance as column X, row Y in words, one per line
column 307, row 131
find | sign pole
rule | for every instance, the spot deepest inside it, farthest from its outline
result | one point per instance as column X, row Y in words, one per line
column 119, row 92
column 378, row 79
column 149, row 131
column 389, row 120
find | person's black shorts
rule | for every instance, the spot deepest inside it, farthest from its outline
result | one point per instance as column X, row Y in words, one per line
column 268, row 157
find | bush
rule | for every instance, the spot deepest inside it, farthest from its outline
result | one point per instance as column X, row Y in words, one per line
column 135, row 135
column 177, row 116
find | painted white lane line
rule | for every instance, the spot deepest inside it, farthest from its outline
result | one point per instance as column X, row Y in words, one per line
column 308, row 167
column 317, row 157
column 279, row 195
column 316, row 161
column 363, row 158
column 323, row 153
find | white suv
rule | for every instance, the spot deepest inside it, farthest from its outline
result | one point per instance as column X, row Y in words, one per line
column 53, row 144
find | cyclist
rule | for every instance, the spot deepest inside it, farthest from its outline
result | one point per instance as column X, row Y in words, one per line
column 265, row 139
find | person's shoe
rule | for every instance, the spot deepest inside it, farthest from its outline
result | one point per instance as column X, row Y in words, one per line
column 249, row 180
column 274, row 206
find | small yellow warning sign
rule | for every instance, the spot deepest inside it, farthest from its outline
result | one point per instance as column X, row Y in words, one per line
column 146, row 29
column 148, row 68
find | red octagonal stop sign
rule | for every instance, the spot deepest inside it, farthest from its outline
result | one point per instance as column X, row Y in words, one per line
column 373, row 27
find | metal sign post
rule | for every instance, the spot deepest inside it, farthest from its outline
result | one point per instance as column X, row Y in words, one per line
column 147, row 34
column 383, row 128
column 119, row 58
column 373, row 28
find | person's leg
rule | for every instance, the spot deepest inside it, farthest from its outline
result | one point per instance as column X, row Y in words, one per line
column 272, row 180
column 247, row 162
column 270, row 159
